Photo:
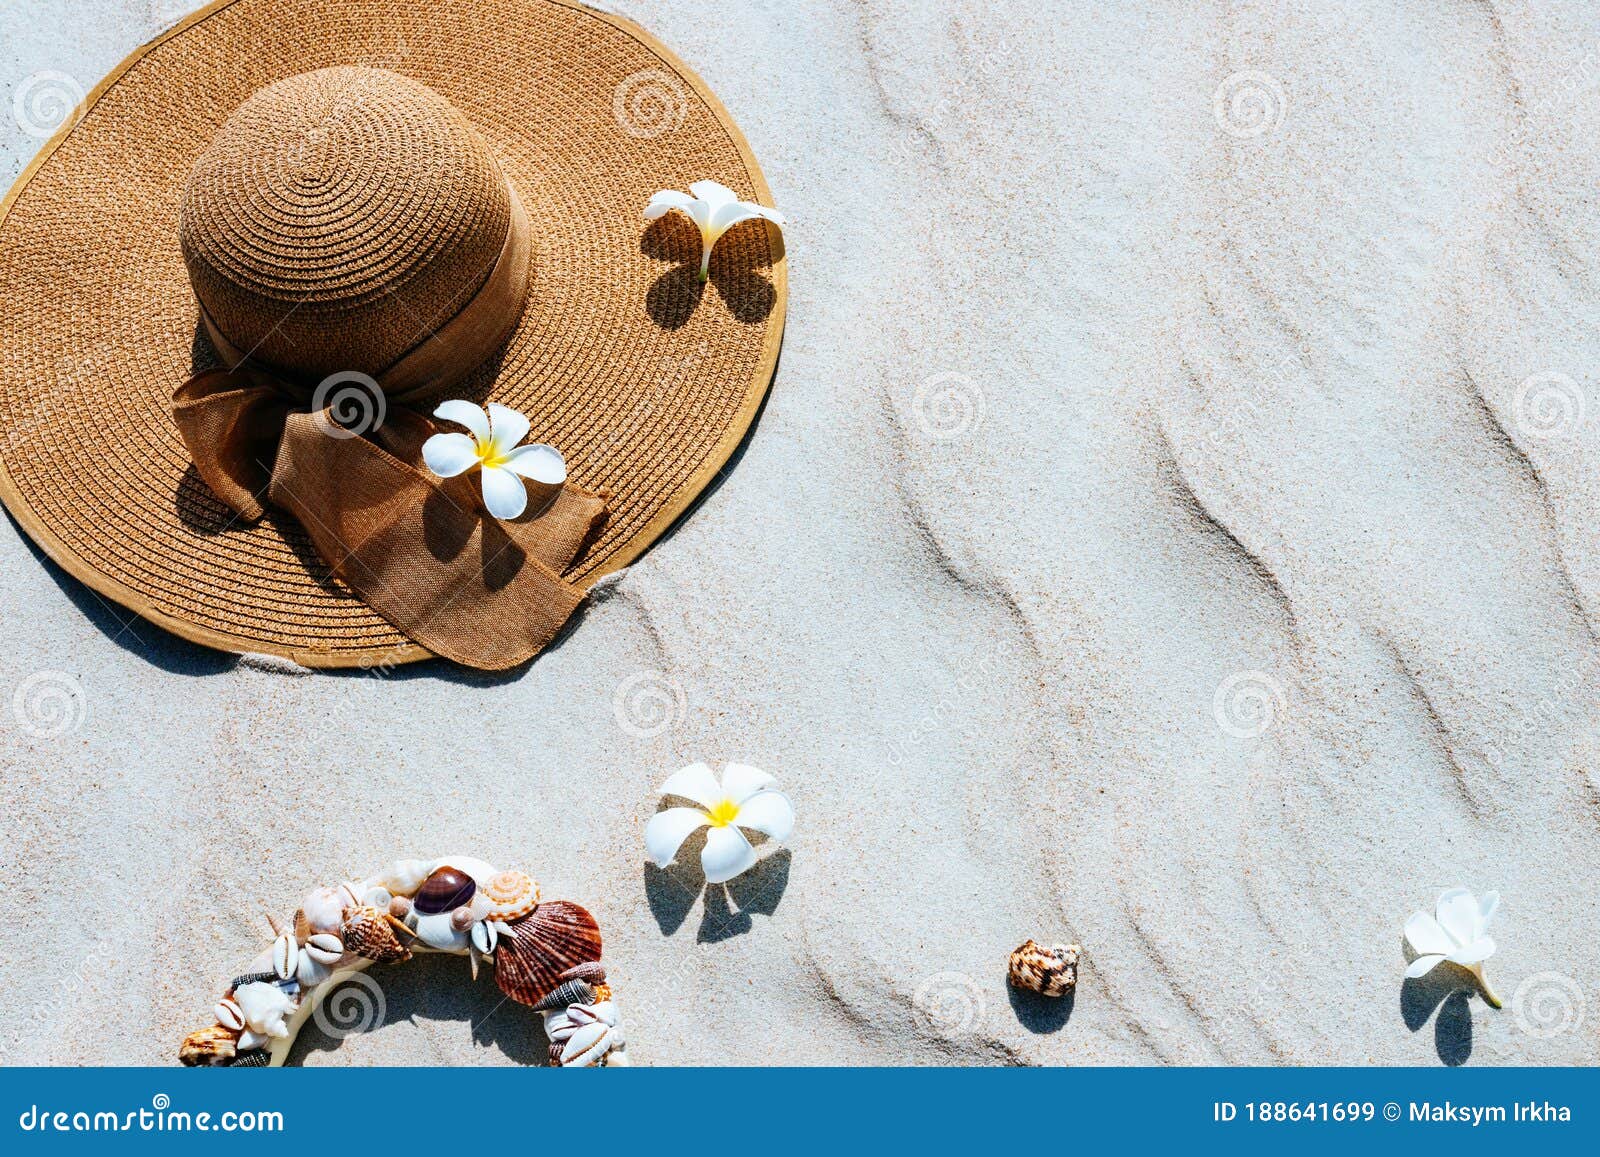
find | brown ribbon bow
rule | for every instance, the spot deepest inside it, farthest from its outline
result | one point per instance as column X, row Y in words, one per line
column 412, row 546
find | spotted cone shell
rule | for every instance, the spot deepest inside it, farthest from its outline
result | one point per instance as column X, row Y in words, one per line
column 371, row 935
column 541, row 947
column 511, row 895
column 1049, row 971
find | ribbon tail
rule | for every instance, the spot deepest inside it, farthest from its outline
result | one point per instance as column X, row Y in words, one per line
column 480, row 592
column 231, row 420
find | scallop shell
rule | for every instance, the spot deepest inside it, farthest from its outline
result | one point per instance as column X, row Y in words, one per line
column 374, row 935
column 1049, row 971
column 566, row 994
column 214, row 1045
column 511, row 894
column 537, row 950
column 310, row 971
column 445, row 889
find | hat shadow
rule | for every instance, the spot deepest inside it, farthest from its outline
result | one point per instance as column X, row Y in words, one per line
column 128, row 630
column 735, row 274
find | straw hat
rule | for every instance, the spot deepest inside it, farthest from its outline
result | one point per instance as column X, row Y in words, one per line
column 436, row 198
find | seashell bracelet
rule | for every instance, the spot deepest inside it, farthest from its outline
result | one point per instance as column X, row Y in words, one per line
column 545, row 955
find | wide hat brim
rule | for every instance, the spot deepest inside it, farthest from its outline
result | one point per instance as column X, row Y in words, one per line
column 646, row 381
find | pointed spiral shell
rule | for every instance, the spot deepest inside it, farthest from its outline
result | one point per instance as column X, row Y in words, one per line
column 373, row 935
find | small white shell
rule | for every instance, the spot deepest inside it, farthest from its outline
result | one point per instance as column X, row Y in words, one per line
column 311, row 972
column 229, row 1015
column 377, row 898
column 324, row 948
column 405, row 876
column 485, row 936
column 264, row 1007
column 586, row 1046
column 436, row 931
column 285, row 956
column 324, row 908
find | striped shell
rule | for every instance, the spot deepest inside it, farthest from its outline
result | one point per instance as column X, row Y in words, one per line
column 1049, row 971
column 254, row 1059
column 536, row 950
column 374, row 935
column 252, row 978
column 566, row 994
column 511, row 895
column 209, row 1046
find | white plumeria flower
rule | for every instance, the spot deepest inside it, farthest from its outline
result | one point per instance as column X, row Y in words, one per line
column 744, row 799
column 715, row 208
column 1457, row 932
column 494, row 449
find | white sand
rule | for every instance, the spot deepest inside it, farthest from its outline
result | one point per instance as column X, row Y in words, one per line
column 1236, row 404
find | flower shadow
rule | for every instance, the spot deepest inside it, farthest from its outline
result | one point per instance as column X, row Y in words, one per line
column 1447, row 989
column 734, row 273
column 728, row 908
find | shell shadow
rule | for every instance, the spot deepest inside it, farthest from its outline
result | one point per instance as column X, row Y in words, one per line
column 729, row 907
column 432, row 987
column 1041, row 1014
column 734, row 273
column 1447, row 989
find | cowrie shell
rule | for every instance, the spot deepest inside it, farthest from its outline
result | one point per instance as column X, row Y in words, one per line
column 285, row 956
column 324, row 948
column 229, row 1015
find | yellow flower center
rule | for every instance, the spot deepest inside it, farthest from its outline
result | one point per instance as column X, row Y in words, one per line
column 488, row 457
column 723, row 814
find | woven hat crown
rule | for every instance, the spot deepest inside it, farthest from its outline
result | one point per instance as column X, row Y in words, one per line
column 338, row 218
